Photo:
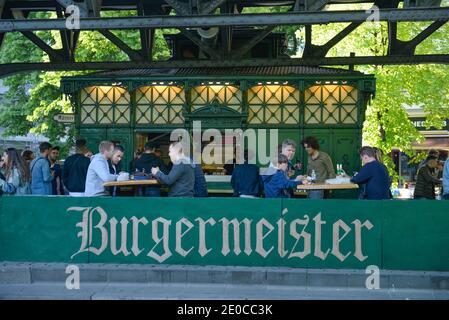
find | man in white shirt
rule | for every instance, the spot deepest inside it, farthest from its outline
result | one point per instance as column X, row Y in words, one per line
column 98, row 171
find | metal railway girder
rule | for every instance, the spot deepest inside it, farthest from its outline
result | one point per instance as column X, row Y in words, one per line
column 198, row 21
column 193, row 14
column 8, row 69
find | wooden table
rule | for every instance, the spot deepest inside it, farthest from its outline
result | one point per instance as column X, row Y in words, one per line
column 327, row 186
column 131, row 183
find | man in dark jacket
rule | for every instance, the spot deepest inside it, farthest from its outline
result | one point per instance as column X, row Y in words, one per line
column 374, row 175
column 200, row 186
column 74, row 170
column 145, row 163
column 246, row 179
column 181, row 178
column 426, row 181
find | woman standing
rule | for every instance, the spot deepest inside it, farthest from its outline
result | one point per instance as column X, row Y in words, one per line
column 16, row 173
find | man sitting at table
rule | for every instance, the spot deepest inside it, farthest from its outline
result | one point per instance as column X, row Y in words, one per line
column 374, row 175
column 98, row 171
column 181, row 178
column 276, row 184
column 246, row 180
column 145, row 163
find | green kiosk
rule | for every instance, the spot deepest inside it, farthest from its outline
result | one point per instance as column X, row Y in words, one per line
column 132, row 107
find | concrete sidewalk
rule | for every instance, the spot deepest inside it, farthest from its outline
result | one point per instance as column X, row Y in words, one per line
column 111, row 281
column 132, row 291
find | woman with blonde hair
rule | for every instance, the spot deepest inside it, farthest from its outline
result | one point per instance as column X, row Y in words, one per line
column 378, row 154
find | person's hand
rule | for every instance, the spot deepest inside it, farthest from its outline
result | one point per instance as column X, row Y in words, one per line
column 290, row 173
column 300, row 177
column 154, row 171
column 305, row 181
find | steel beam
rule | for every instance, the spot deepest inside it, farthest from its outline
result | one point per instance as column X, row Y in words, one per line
column 81, row 6
column 311, row 50
column 211, row 6
column 180, row 8
column 251, row 43
column 315, row 5
column 68, row 38
column 52, row 53
column 94, row 7
column 2, row 7
column 410, row 46
column 203, row 46
column 147, row 42
column 196, row 21
column 8, row 69
column 131, row 53
column 226, row 33
column 147, row 35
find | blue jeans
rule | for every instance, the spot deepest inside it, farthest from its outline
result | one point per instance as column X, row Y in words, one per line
column 315, row 194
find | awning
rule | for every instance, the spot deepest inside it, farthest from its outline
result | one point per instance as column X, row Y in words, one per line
column 439, row 143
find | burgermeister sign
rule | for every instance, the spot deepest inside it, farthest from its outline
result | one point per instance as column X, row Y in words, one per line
column 253, row 239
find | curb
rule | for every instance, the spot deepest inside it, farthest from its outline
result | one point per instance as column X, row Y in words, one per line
column 27, row 273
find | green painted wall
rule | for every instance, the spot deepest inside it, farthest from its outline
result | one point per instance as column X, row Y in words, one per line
column 406, row 235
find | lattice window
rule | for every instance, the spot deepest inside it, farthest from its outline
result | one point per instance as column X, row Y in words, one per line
column 105, row 105
column 273, row 104
column 227, row 95
column 159, row 105
column 331, row 104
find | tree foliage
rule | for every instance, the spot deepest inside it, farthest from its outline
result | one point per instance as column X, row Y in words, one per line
column 33, row 99
column 387, row 125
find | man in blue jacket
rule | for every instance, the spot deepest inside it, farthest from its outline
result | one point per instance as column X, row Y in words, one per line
column 41, row 176
column 374, row 175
